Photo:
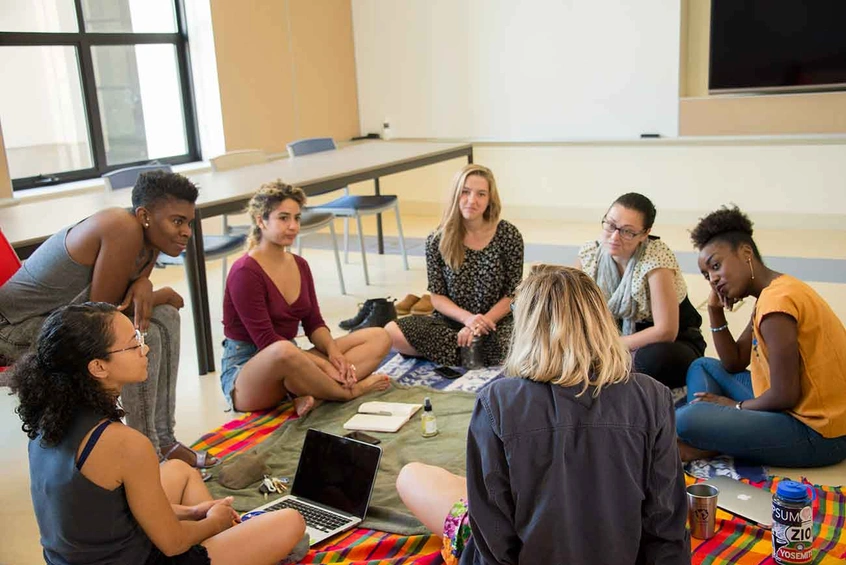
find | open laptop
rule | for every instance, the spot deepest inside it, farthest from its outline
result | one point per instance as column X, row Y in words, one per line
column 748, row 502
column 333, row 484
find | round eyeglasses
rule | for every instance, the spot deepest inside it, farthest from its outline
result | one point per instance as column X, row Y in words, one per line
column 625, row 233
column 139, row 340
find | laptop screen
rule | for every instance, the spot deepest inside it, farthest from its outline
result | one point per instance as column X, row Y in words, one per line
column 337, row 472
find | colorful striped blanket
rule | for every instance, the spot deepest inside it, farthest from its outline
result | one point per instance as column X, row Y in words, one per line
column 736, row 541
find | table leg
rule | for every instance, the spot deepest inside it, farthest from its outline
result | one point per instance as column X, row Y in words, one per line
column 195, row 268
column 380, row 239
column 470, row 157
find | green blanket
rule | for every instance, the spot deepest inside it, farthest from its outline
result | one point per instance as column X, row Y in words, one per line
column 387, row 512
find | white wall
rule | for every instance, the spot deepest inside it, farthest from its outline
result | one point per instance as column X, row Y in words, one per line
column 518, row 71
column 780, row 183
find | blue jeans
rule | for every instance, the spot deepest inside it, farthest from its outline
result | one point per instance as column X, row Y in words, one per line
column 765, row 438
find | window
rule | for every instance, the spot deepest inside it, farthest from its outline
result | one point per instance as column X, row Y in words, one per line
column 93, row 85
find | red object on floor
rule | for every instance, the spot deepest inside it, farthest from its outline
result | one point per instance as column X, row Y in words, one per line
column 9, row 264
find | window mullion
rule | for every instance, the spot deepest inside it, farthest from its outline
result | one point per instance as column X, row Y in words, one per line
column 92, row 104
column 186, row 80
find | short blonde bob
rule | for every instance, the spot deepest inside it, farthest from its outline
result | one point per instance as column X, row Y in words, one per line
column 564, row 333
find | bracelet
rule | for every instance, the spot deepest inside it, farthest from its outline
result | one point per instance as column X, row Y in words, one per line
column 721, row 328
column 739, row 405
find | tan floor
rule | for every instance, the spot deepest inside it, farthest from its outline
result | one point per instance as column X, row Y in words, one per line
column 201, row 406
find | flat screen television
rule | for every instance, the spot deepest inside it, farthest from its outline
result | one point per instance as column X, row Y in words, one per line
column 777, row 45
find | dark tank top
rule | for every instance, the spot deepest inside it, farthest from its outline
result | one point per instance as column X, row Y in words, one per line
column 81, row 522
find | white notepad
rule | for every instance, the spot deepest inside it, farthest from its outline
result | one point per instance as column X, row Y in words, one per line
column 381, row 416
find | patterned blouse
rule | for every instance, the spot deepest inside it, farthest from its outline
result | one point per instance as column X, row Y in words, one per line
column 657, row 256
column 485, row 276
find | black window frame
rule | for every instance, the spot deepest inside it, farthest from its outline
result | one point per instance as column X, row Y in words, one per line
column 83, row 42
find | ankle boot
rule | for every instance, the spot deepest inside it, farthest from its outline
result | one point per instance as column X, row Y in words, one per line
column 382, row 312
column 359, row 317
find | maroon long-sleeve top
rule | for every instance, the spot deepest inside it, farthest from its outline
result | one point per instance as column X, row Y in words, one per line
column 255, row 311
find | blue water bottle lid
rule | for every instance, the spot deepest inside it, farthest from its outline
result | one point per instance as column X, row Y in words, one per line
column 792, row 491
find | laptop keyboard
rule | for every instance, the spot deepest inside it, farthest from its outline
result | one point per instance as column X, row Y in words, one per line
column 313, row 516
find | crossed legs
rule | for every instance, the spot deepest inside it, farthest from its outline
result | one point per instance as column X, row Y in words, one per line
column 282, row 368
column 265, row 539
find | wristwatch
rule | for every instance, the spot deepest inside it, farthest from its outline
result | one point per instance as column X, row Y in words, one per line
column 739, row 405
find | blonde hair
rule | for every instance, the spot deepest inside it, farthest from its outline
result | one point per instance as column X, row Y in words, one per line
column 564, row 333
column 451, row 228
column 265, row 201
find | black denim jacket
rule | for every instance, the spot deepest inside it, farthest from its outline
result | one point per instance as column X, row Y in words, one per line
column 553, row 477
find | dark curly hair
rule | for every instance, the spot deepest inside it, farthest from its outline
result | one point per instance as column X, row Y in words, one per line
column 639, row 203
column 155, row 186
column 52, row 381
column 728, row 224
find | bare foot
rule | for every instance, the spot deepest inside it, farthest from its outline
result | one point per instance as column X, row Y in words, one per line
column 376, row 381
column 690, row 453
column 305, row 404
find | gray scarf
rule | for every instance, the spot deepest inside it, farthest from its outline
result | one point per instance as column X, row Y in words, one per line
column 616, row 289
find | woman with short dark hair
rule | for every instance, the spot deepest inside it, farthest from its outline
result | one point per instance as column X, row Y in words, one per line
column 108, row 257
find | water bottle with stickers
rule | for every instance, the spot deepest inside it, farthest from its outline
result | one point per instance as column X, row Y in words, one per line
column 793, row 524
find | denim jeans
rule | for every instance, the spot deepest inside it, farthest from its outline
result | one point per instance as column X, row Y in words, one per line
column 765, row 438
column 151, row 405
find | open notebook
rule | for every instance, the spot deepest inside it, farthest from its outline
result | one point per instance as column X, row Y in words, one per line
column 381, row 416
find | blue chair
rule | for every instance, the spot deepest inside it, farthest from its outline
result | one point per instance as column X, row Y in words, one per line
column 349, row 206
column 311, row 221
column 214, row 246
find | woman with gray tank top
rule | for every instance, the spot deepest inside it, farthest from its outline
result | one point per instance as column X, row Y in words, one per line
column 108, row 257
column 84, row 463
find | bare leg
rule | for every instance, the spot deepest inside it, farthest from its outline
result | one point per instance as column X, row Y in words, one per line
column 364, row 348
column 182, row 483
column 398, row 340
column 263, row 540
column 266, row 379
column 430, row 493
column 690, row 453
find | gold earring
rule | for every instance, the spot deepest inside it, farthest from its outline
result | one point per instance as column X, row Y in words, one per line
column 751, row 269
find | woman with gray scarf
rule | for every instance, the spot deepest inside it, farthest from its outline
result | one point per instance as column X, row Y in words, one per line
column 643, row 284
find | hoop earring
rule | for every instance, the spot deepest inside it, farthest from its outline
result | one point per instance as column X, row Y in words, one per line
column 751, row 269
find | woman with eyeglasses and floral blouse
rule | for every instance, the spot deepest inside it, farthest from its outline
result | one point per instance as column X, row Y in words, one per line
column 646, row 293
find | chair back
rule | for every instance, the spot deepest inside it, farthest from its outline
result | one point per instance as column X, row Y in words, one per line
column 238, row 159
column 126, row 178
column 9, row 262
column 310, row 145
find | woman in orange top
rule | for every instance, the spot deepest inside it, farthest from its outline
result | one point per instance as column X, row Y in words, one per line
column 790, row 409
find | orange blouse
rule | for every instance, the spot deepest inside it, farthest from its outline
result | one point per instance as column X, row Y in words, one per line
column 822, row 348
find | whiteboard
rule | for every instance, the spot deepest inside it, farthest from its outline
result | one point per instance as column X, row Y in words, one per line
column 518, row 70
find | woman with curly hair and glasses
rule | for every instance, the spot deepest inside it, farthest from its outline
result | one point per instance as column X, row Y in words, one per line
column 474, row 261
column 571, row 438
column 99, row 493
column 789, row 408
column 645, row 289
column 269, row 291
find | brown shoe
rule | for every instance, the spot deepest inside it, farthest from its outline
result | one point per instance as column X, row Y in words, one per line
column 404, row 306
column 424, row 306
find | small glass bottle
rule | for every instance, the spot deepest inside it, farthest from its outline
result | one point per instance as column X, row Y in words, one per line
column 428, row 422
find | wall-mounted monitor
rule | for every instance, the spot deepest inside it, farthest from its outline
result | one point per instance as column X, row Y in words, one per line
column 777, row 45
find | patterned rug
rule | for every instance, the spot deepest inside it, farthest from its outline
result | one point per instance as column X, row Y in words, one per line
column 736, row 540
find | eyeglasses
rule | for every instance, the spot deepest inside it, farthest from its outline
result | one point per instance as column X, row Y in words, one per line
column 139, row 340
column 625, row 233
